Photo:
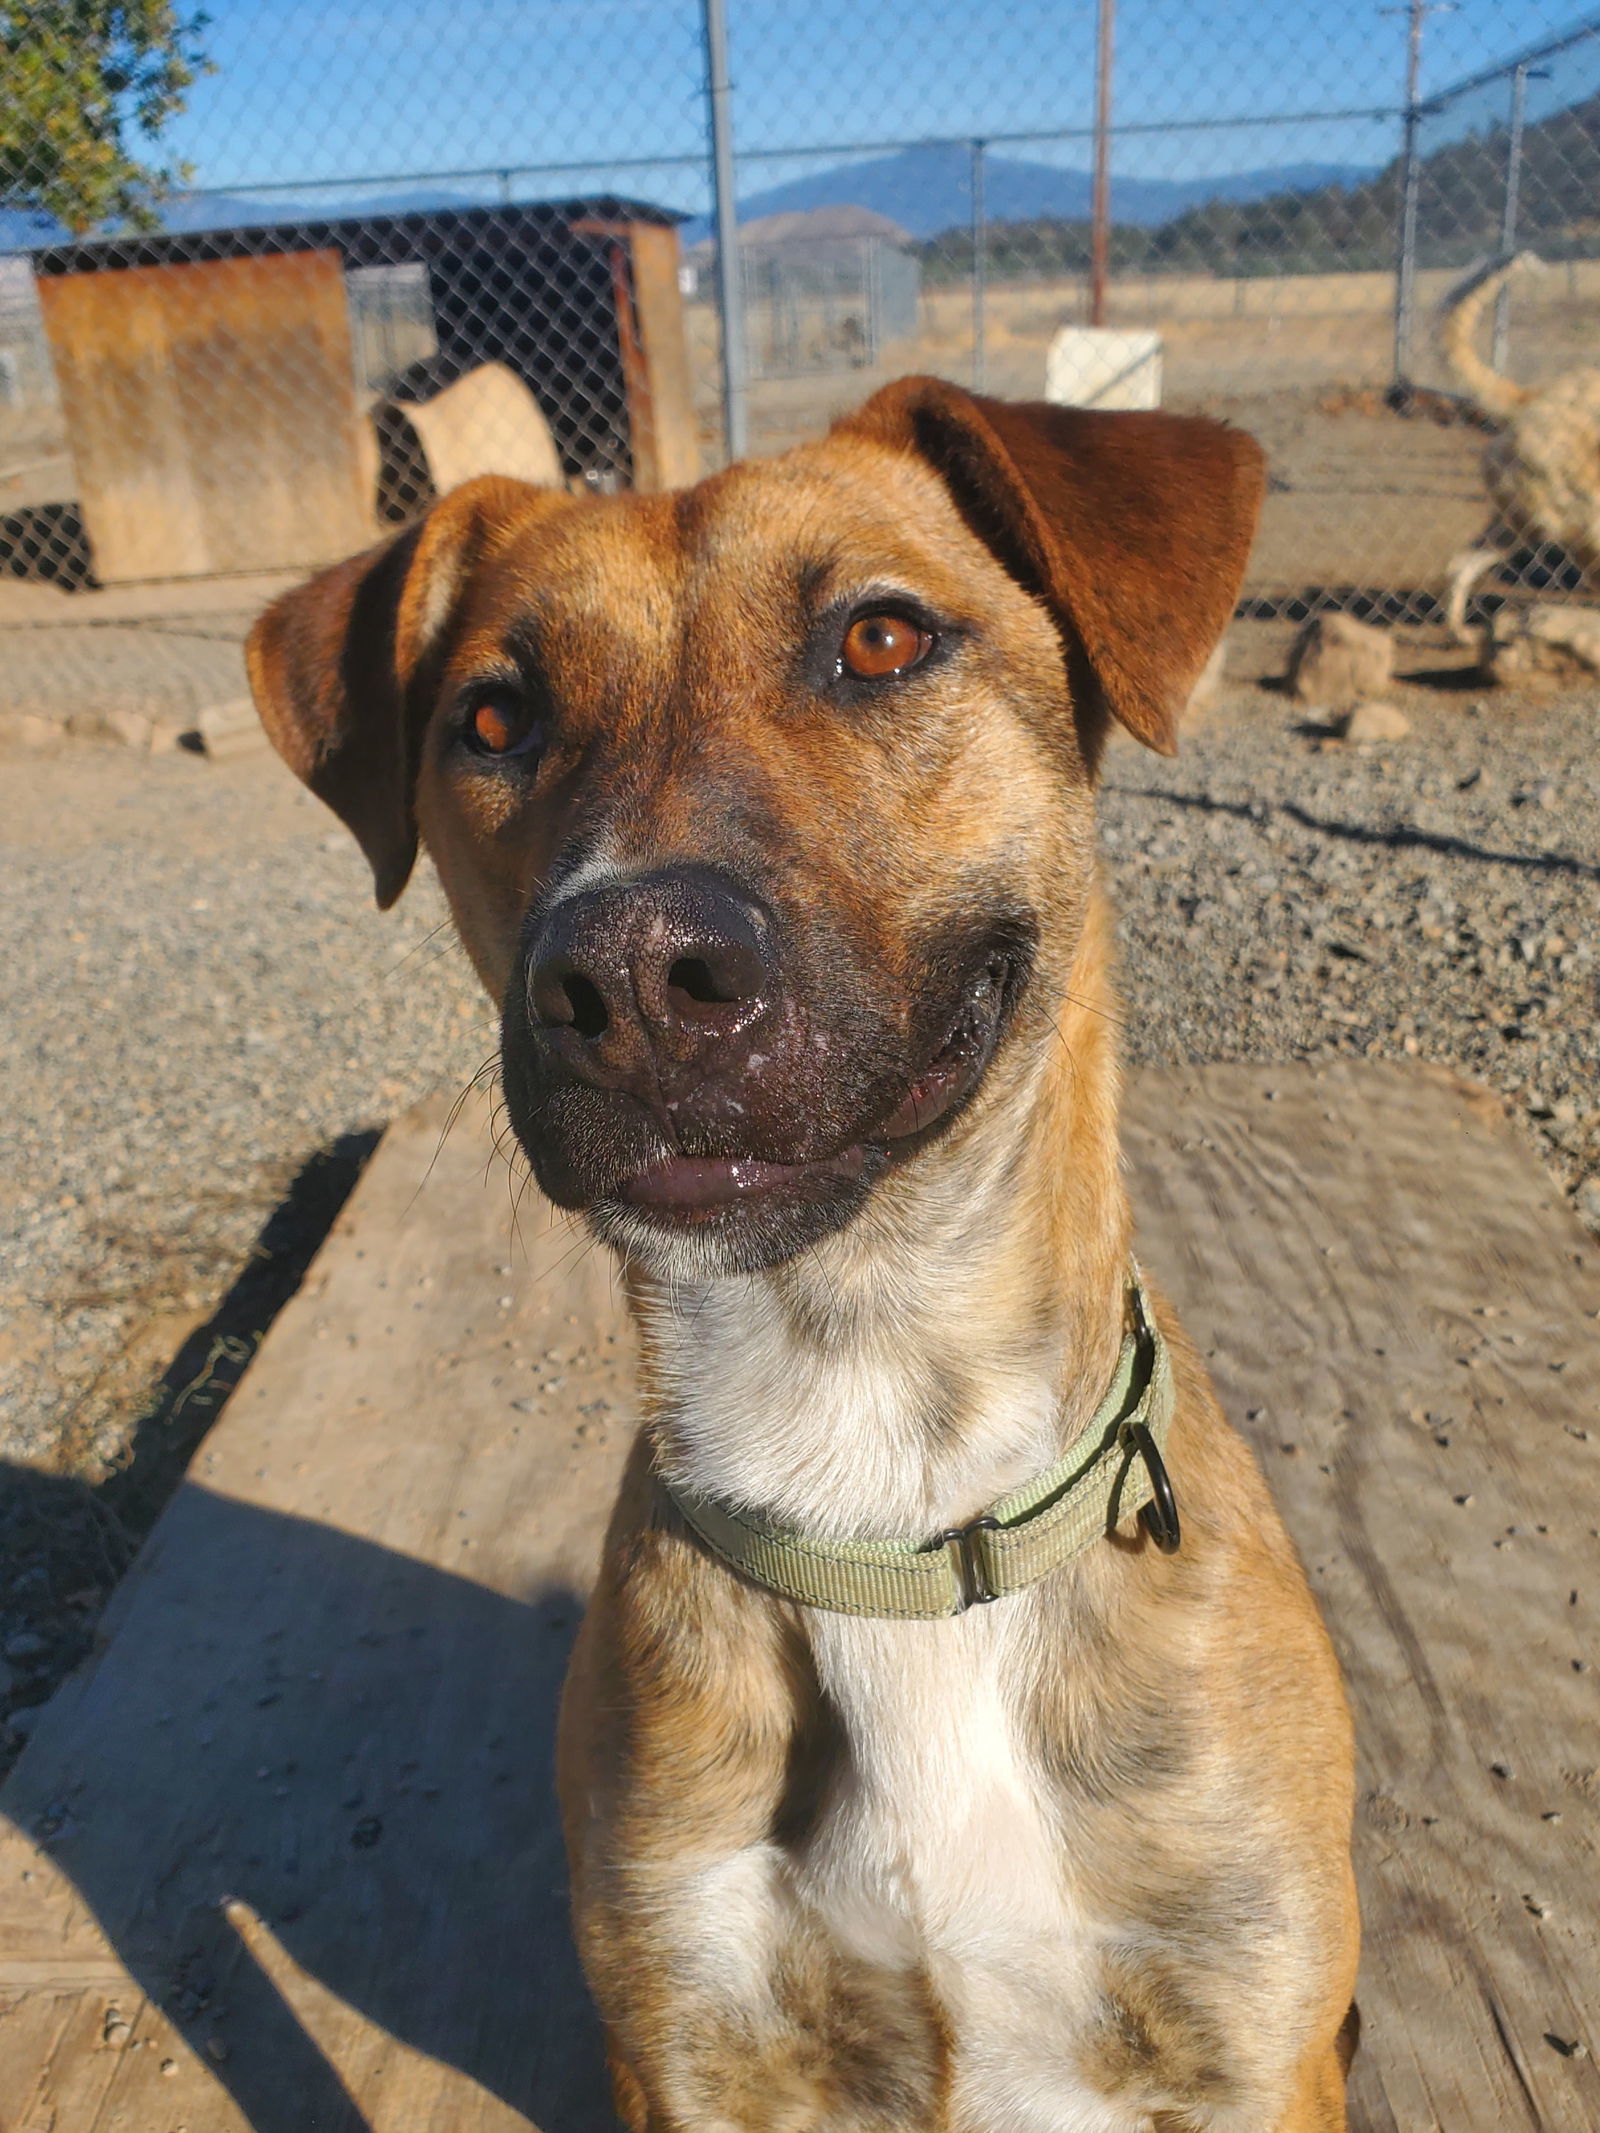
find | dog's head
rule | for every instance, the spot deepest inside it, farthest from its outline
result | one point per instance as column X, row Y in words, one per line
column 763, row 808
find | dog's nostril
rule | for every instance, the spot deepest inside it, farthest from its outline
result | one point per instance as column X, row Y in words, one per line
column 589, row 1017
column 691, row 974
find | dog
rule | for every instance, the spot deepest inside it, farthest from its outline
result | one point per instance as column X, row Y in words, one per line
column 952, row 1740
column 1542, row 467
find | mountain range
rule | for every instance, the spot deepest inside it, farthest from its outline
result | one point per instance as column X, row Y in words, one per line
column 929, row 189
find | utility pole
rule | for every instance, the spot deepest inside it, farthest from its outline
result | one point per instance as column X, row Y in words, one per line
column 730, row 285
column 1100, row 225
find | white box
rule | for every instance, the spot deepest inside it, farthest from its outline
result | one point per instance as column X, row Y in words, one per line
column 1104, row 366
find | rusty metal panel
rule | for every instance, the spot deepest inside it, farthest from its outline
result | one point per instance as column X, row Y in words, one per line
column 212, row 414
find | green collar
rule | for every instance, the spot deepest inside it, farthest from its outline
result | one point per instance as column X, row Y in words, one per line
column 1113, row 1469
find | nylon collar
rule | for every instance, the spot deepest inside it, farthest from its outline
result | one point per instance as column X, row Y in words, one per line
column 1113, row 1470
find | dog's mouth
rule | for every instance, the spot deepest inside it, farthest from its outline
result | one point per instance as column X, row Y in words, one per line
column 956, row 1068
column 690, row 1188
column 675, row 1190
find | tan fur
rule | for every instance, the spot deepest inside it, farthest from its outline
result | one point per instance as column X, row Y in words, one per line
column 1077, row 1862
column 1542, row 470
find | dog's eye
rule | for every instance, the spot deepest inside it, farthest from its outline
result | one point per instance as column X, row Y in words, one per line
column 501, row 723
column 876, row 646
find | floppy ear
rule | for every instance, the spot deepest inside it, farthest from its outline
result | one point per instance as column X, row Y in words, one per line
column 340, row 667
column 1133, row 530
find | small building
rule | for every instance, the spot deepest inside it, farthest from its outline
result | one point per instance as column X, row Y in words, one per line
column 824, row 289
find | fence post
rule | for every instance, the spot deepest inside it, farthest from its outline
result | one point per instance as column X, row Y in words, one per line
column 980, row 264
column 1405, row 277
column 1508, row 218
column 730, row 285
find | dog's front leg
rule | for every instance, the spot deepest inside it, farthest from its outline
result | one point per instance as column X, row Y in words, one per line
column 692, row 1737
column 696, row 1753
column 729, row 2009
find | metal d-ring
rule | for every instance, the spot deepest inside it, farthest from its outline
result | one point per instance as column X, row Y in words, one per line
column 1159, row 1516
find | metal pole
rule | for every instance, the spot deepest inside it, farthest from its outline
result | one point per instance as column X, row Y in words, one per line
column 730, row 288
column 980, row 264
column 1100, row 234
column 1508, row 218
column 1405, row 278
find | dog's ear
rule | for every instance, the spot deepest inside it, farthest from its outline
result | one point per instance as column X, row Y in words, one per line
column 1133, row 529
column 340, row 667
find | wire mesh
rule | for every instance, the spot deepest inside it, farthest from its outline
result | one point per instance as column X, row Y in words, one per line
column 269, row 296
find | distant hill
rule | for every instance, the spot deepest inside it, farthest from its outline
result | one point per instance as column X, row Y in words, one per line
column 1344, row 229
column 929, row 189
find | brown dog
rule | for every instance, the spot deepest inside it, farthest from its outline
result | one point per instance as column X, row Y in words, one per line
column 766, row 810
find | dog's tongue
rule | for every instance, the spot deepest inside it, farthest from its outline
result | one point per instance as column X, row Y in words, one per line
column 685, row 1183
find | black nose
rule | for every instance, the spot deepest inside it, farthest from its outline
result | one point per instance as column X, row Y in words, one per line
column 671, row 970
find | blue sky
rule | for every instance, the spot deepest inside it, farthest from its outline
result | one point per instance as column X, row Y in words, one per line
column 311, row 91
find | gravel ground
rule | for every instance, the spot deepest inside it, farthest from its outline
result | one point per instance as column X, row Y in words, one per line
column 1283, row 895
column 206, row 1020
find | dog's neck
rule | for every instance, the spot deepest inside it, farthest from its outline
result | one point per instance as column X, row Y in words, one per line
column 951, row 1342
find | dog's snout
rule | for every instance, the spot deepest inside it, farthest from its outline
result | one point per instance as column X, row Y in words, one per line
column 676, row 966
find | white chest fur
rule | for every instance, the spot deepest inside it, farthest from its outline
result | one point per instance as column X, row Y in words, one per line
column 941, row 1852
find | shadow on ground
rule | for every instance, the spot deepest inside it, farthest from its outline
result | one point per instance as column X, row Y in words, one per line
column 66, row 1542
column 358, row 1747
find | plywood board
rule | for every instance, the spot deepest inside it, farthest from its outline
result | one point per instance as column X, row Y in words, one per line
column 290, row 1844
column 666, row 443
column 1404, row 1318
column 304, row 1798
column 212, row 414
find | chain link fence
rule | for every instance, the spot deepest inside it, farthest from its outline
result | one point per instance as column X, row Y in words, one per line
column 364, row 251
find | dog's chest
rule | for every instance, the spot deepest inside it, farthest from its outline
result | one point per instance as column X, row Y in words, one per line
column 937, row 1851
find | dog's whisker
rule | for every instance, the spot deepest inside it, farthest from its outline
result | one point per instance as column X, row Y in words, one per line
column 474, row 1082
column 416, row 948
column 1090, row 1007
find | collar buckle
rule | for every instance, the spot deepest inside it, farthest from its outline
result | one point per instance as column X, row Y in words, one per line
column 966, row 1560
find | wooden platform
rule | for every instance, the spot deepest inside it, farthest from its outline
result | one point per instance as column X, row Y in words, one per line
column 285, row 1858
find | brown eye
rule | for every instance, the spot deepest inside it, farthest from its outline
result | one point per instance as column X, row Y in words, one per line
column 878, row 645
column 501, row 724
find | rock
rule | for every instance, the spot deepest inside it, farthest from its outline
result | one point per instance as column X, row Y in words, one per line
column 1337, row 660
column 1204, row 693
column 1586, row 1201
column 231, row 729
column 1547, row 647
column 1376, row 722
column 26, row 729
column 116, row 725
column 131, row 729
